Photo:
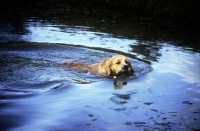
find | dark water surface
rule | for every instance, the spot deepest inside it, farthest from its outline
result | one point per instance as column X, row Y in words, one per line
column 37, row 94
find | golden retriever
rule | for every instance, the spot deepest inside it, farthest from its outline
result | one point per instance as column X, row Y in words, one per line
column 114, row 66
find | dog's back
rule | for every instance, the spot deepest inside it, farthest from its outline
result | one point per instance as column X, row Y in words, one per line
column 76, row 65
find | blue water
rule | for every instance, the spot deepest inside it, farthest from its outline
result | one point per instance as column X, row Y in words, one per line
column 37, row 94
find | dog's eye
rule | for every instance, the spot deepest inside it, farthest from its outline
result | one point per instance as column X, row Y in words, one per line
column 126, row 61
column 118, row 62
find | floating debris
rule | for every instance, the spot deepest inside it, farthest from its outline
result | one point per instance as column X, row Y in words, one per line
column 148, row 103
column 128, row 123
column 90, row 115
column 187, row 102
column 139, row 123
column 154, row 110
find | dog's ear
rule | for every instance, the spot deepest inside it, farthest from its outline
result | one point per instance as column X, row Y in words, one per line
column 105, row 67
column 130, row 65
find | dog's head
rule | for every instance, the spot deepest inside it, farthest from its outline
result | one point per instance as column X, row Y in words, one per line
column 120, row 65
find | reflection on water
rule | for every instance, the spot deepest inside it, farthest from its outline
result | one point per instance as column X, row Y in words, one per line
column 37, row 94
column 178, row 62
column 97, row 28
column 148, row 51
column 77, row 36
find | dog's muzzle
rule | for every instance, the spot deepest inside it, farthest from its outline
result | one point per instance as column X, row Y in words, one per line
column 126, row 70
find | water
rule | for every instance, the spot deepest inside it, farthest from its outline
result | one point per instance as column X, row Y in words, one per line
column 37, row 94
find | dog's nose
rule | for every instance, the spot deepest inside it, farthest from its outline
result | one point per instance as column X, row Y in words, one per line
column 129, row 69
column 126, row 67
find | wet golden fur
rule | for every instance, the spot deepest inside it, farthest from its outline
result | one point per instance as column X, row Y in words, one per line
column 108, row 67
